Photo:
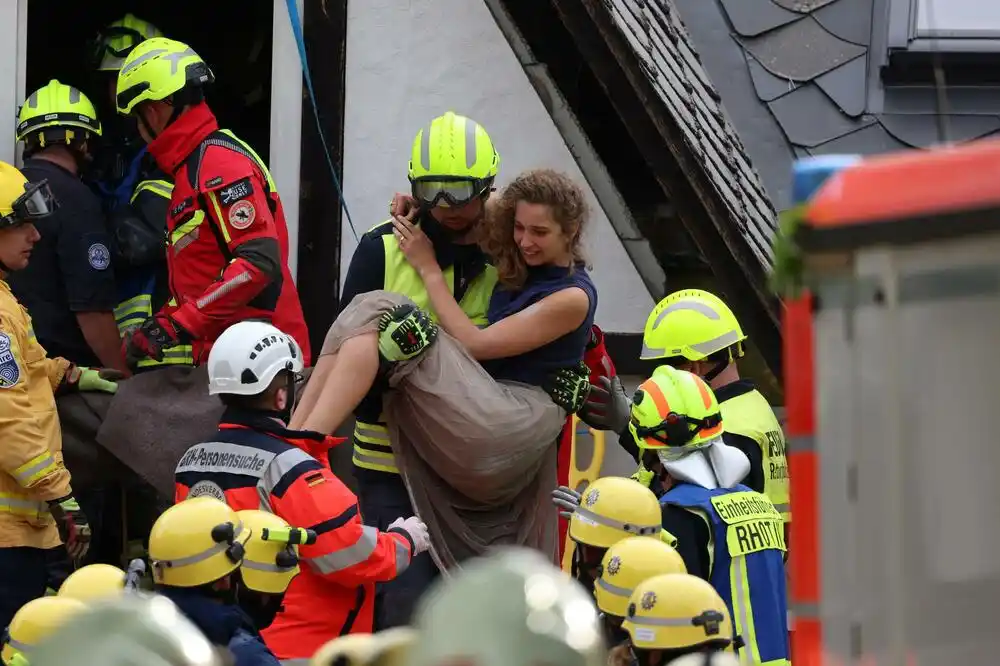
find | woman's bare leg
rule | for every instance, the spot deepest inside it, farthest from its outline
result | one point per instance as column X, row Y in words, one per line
column 307, row 401
column 351, row 375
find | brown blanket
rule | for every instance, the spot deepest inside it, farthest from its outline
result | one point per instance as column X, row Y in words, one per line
column 478, row 456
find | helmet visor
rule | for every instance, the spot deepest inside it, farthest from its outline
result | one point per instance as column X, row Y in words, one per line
column 36, row 202
column 457, row 193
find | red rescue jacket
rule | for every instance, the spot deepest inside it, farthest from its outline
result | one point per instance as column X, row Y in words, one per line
column 227, row 241
column 600, row 365
column 255, row 463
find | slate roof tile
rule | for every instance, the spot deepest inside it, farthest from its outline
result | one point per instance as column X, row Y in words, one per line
column 801, row 51
column 660, row 39
column 869, row 140
column 767, row 85
column 808, row 117
column 847, row 86
column 753, row 17
column 803, row 6
column 923, row 131
column 850, row 20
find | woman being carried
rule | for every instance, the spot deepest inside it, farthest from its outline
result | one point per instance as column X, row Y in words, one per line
column 475, row 441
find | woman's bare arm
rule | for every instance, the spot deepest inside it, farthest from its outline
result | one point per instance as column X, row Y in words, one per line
column 549, row 319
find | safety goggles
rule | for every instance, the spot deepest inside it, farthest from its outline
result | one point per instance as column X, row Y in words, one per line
column 36, row 202
column 677, row 429
column 117, row 41
column 449, row 193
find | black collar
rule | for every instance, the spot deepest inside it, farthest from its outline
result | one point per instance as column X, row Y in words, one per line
column 264, row 422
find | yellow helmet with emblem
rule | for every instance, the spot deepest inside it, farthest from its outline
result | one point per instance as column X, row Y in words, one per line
column 35, row 621
column 159, row 68
column 117, row 39
column 675, row 611
column 94, row 581
column 627, row 564
column 196, row 542
column 271, row 558
column 612, row 508
column 452, row 161
column 692, row 324
column 20, row 201
column 56, row 113
column 674, row 409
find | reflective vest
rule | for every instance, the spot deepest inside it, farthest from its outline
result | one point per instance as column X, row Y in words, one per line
column 750, row 415
column 747, row 553
column 138, row 307
column 372, row 449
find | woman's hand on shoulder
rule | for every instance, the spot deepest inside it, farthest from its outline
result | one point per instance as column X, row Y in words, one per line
column 416, row 246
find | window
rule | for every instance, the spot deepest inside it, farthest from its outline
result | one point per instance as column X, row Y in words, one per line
column 957, row 18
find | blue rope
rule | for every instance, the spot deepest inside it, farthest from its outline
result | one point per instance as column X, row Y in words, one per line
column 293, row 15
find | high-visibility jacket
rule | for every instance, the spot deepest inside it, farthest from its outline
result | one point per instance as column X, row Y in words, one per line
column 750, row 415
column 372, row 449
column 139, row 301
column 255, row 463
column 31, row 466
column 227, row 238
column 747, row 545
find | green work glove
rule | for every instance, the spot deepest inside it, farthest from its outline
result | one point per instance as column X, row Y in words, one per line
column 404, row 332
column 569, row 387
column 102, row 380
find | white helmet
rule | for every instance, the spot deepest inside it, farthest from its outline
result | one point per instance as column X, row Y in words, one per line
column 247, row 357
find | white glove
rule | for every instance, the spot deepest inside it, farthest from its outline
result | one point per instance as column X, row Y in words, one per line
column 417, row 531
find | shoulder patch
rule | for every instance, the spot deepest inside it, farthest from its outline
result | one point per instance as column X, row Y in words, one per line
column 10, row 370
column 207, row 489
column 241, row 215
column 230, row 194
column 98, row 256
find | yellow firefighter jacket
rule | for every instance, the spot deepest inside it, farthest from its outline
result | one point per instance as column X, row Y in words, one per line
column 31, row 466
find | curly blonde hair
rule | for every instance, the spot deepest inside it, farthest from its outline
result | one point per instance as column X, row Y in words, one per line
column 566, row 203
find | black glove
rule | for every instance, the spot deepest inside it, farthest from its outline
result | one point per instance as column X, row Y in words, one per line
column 607, row 406
column 568, row 387
column 74, row 530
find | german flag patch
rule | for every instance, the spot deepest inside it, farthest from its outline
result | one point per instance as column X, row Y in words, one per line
column 314, row 479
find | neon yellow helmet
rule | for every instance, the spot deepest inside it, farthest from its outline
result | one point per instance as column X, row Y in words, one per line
column 676, row 611
column 56, row 113
column 117, row 39
column 34, row 622
column 94, row 581
column 271, row 560
column 628, row 563
column 196, row 542
column 613, row 508
column 672, row 409
column 21, row 201
column 692, row 324
column 157, row 69
column 452, row 161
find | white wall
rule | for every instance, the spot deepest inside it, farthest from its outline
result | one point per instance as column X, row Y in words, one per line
column 411, row 60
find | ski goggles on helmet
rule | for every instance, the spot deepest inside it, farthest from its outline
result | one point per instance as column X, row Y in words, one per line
column 36, row 202
column 677, row 429
column 116, row 41
column 449, row 193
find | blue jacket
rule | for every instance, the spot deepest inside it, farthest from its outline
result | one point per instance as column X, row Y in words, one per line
column 748, row 569
column 222, row 624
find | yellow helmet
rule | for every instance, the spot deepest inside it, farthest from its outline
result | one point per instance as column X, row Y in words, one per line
column 452, row 160
column 117, row 39
column 673, row 409
column 628, row 563
column 21, row 201
column 158, row 68
column 271, row 559
column 195, row 542
column 676, row 611
column 692, row 324
column 707, row 659
column 94, row 581
column 33, row 622
column 613, row 508
column 55, row 113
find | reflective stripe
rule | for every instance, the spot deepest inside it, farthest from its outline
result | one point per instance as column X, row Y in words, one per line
column 641, row 530
column 614, row 589
column 279, row 467
column 372, row 433
column 223, row 457
column 160, row 188
column 215, row 549
column 35, row 469
column 179, row 355
column 22, row 506
column 742, row 615
column 223, row 289
column 373, row 449
column 264, row 566
column 183, row 230
column 375, row 462
column 347, row 557
column 403, row 558
column 214, row 200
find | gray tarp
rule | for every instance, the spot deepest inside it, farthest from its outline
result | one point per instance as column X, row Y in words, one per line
column 478, row 456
